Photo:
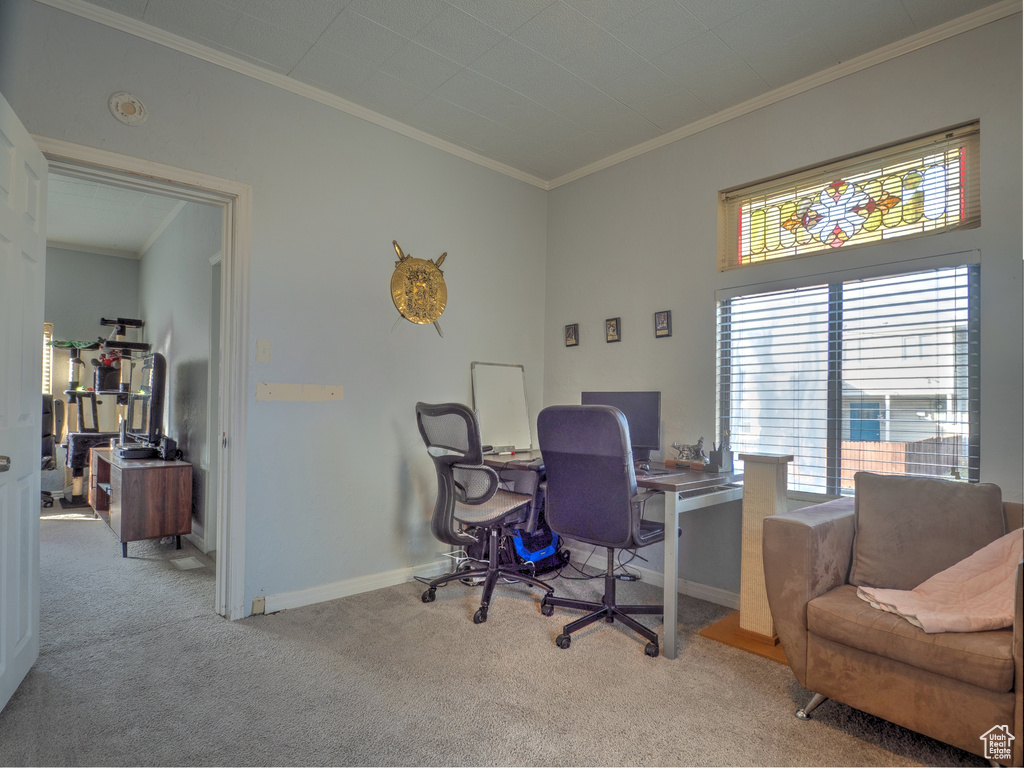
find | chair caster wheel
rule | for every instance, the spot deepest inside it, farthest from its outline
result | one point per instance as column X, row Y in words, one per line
column 651, row 650
column 562, row 641
column 429, row 596
column 546, row 609
column 480, row 616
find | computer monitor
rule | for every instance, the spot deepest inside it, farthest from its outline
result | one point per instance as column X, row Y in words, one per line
column 643, row 414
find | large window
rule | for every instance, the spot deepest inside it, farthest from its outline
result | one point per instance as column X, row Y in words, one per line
column 879, row 374
column 918, row 187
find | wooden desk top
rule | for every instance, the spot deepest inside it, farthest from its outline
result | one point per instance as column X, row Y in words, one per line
column 107, row 454
column 673, row 481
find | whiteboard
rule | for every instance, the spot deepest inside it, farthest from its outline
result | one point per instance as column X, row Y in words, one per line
column 499, row 399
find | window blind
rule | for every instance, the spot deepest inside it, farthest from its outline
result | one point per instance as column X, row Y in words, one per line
column 47, row 359
column 879, row 374
column 923, row 186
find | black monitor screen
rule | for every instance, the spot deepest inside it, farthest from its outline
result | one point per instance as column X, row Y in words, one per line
column 643, row 414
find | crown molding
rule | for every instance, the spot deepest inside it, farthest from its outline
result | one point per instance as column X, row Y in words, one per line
column 979, row 18
column 96, row 250
column 168, row 220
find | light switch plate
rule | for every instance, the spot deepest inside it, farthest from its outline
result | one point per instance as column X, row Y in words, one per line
column 262, row 350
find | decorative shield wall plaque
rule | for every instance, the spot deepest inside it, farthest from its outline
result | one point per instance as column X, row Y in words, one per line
column 418, row 288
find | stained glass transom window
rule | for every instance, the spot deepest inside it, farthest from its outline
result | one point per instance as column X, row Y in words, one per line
column 920, row 187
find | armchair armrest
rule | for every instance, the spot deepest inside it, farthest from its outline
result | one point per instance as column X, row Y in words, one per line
column 1014, row 514
column 806, row 553
column 1017, row 748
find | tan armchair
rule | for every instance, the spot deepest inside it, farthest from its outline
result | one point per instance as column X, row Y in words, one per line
column 895, row 533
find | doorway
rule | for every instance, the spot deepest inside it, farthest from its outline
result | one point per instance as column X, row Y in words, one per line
column 227, row 400
column 112, row 253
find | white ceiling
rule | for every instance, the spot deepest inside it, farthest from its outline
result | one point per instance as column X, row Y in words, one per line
column 98, row 218
column 545, row 87
column 544, row 90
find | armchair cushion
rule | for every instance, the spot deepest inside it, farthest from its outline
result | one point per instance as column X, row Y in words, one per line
column 907, row 529
column 984, row 659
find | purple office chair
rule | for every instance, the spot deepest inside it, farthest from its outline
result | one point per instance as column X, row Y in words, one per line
column 592, row 498
column 470, row 504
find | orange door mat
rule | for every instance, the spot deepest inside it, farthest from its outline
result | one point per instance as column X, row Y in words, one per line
column 728, row 631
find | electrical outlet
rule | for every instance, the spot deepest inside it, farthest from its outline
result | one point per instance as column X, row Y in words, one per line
column 259, row 605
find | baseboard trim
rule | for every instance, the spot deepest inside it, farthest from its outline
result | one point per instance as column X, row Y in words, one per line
column 197, row 537
column 337, row 589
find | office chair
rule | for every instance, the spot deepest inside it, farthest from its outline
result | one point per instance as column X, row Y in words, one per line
column 592, row 498
column 470, row 504
column 53, row 427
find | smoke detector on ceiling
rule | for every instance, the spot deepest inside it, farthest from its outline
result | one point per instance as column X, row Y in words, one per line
column 127, row 109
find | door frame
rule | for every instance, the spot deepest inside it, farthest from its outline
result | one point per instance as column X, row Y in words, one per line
column 235, row 200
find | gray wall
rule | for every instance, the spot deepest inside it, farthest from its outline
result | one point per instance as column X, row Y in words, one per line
column 83, row 287
column 175, row 286
column 641, row 236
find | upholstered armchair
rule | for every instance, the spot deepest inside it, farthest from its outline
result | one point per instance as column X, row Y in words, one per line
column 894, row 534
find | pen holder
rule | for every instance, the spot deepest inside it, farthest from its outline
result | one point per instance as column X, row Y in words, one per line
column 720, row 461
column 714, row 461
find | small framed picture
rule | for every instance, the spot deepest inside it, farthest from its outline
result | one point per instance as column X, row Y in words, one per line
column 572, row 335
column 663, row 323
column 613, row 329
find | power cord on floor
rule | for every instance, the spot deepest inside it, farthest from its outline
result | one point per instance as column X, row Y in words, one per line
column 584, row 576
column 628, row 575
column 624, row 575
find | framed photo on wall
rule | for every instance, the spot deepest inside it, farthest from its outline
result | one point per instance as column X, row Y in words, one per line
column 663, row 323
column 613, row 329
column 572, row 335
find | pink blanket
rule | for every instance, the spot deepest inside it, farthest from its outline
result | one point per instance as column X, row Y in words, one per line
column 975, row 594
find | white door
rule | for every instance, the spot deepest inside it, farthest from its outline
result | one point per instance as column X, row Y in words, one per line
column 22, row 261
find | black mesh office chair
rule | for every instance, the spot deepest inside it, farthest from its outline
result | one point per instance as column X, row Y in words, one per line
column 592, row 497
column 53, row 426
column 470, row 504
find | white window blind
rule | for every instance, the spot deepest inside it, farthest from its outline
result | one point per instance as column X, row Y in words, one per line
column 924, row 186
column 879, row 374
column 47, row 359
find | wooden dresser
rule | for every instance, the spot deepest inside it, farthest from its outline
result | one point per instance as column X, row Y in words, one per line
column 140, row 498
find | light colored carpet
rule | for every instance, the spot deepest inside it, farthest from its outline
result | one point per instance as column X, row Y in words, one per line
column 135, row 669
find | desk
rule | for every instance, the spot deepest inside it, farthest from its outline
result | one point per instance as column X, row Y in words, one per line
column 141, row 498
column 683, row 491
